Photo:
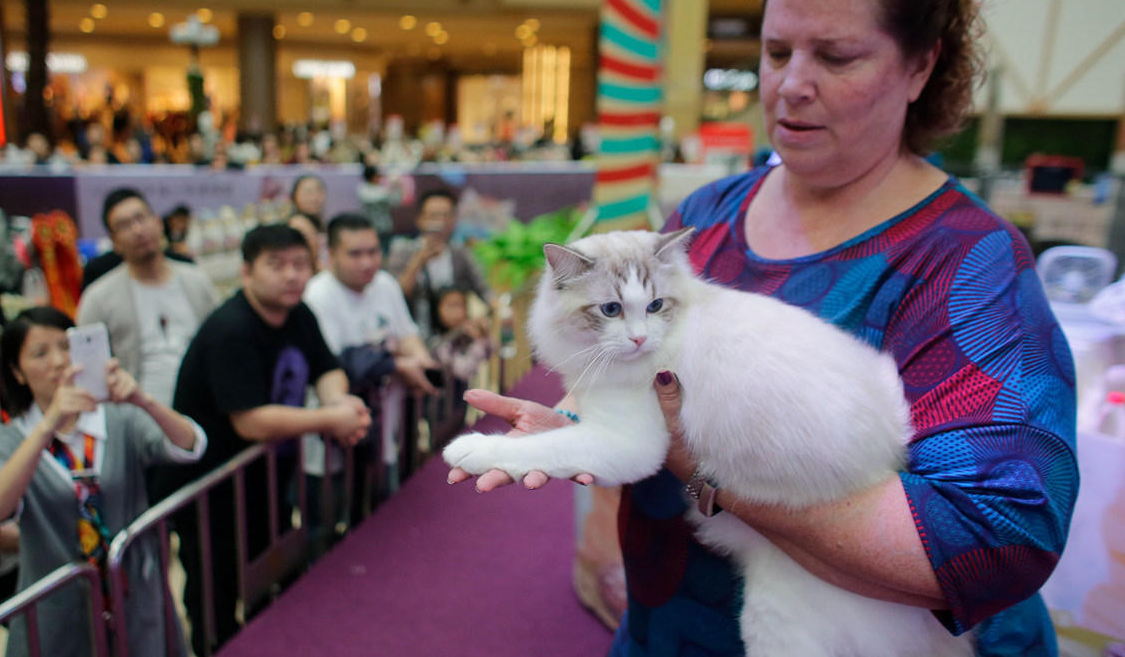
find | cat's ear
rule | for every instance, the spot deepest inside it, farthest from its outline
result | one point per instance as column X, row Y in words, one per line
column 672, row 243
column 565, row 263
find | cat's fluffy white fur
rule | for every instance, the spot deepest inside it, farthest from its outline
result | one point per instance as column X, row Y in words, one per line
column 778, row 406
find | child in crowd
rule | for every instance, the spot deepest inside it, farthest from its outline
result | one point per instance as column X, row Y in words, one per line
column 460, row 344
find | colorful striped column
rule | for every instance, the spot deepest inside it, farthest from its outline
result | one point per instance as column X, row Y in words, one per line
column 629, row 101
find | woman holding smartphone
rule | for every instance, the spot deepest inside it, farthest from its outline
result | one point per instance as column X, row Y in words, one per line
column 72, row 473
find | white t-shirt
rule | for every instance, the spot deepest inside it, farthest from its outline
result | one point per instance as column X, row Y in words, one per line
column 440, row 270
column 348, row 318
column 167, row 325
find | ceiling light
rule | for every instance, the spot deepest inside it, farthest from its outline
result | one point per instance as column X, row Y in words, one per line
column 523, row 32
column 343, row 26
column 408, row 22
column 441, row 38
column 156, row 19
column 359, row 34
column 305, row 18
column 98, row 10
column 205, row 15
column 86, row 25
column 279, row 31
column 532, row 23
column 433, row 28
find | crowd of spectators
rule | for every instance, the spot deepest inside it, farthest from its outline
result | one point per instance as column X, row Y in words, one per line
column 222, row 146
column 317, row 335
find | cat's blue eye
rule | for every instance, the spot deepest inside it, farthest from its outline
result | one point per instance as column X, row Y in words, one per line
column 656, row 305
column 611, row 309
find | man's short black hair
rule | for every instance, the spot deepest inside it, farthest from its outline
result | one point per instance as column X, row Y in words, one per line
column 271, row 237
column 115, row 197
column 346, row 221
column 440, row 192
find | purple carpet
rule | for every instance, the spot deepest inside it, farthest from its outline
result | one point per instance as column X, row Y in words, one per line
column 443, row 570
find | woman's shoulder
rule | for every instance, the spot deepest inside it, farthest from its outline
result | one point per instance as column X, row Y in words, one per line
column 719, row 200
column 10, row 438
column 957, row 223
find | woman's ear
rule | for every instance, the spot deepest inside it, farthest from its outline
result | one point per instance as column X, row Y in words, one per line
column 19, row 376
column 923, row 68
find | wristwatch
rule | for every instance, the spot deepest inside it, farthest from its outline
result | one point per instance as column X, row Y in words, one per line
column 702, row 490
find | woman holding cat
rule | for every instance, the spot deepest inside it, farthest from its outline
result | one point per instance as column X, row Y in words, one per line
column 857, row 228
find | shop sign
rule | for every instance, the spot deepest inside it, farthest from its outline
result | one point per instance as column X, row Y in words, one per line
column 57, row 62
column 308, row 69
column 730, row 79
column 731, row 27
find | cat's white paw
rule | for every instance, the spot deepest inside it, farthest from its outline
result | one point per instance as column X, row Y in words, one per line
column 476, row 453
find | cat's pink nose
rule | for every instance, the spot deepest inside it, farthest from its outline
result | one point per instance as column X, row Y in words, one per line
column 638, row 341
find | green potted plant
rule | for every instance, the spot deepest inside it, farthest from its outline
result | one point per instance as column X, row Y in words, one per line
column 511, row 257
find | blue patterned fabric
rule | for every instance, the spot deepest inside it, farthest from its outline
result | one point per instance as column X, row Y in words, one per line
column 949, row 290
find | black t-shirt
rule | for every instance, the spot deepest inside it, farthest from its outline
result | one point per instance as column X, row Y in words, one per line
column 237, row 362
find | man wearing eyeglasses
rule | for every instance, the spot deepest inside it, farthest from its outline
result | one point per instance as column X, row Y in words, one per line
column 151, row 304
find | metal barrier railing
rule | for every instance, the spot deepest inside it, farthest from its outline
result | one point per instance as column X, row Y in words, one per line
column 25, row 604
column 286, row 551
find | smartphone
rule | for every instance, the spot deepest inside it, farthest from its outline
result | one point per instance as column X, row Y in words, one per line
column 89, row 347
column 435, row 377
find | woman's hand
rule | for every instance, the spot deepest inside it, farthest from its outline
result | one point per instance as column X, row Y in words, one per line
column 122, row 387
column 68, row 402
column 526, row 417
column 678, row 461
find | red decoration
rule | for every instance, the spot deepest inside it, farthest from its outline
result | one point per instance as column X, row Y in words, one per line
column 56, row 243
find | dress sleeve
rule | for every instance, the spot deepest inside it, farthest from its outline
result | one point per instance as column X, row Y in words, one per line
column 153, row 445
column 991, row 477
column 10, row 440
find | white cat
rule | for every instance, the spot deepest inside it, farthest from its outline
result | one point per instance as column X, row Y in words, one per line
column 778, row 406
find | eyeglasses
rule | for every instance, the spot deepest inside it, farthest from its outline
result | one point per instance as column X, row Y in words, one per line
column 124, row 224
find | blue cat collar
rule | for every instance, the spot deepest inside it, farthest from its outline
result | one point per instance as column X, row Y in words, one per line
column 570, row 415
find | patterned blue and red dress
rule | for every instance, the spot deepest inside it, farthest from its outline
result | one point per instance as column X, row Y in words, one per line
column 950, row 290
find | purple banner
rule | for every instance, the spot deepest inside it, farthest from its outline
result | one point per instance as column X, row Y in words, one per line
column 490, row 195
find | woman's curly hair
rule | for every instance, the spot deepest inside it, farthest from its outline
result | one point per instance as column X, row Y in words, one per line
column 945, row 101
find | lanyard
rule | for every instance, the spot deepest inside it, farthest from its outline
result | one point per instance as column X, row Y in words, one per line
column 79, row 469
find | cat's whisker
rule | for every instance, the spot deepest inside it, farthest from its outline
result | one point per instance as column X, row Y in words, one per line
column 594, row 362
column 606, row 362
column 599, row 364
column 580, row 352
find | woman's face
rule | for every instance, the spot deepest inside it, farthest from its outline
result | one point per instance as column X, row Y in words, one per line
column 309, row 196
column 451, row 310
column 835, row 87
column 43, row 359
